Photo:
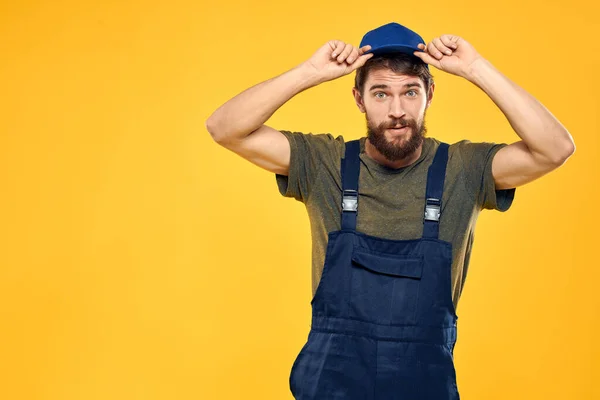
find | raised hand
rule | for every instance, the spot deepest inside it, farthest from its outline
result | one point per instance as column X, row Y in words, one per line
column 449, row 53
column 336, row 58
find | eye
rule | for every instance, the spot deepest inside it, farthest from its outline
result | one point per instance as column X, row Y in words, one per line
column 376, row 93
column 413, row 91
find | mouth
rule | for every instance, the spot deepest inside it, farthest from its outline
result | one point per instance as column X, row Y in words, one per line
column 399, row 130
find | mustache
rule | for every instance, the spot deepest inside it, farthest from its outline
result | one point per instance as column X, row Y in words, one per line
column 402, row 123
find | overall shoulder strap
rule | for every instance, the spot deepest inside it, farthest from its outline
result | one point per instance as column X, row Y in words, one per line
column 350, row 169
column 433, row 194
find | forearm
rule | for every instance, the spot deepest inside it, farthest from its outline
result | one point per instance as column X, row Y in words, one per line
column 543, row 134
column 250, row 109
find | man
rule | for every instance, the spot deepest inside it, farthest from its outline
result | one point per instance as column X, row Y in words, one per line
column 386, row 281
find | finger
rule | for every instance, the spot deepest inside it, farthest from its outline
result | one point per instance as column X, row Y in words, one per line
column 353, row 55
column 364, row 49
column 339, row 46
column 424, row 48
column 437, row 42
column 427, row 58
column 345, row 53
column 432, row 50
column 360, row 61
column 449, row 41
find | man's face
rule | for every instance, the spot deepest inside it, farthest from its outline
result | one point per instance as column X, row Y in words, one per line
column 390, row 101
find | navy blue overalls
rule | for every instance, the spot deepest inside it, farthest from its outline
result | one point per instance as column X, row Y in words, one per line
column 383, row 321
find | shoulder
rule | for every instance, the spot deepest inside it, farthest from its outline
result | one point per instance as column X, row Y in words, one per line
column 474, row 157
column 318, row 140
column 318, row 145
column 466, row 148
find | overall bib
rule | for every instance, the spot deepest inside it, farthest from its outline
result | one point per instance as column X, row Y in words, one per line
column 383, row 321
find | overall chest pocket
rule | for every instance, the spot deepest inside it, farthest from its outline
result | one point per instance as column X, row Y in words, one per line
column 385, row 287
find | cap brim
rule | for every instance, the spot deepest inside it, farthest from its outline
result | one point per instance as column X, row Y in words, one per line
column 393, row 48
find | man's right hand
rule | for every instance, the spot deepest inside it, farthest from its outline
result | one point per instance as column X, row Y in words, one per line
column 336, row 58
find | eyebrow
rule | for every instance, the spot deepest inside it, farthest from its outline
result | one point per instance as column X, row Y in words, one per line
column 384, row 86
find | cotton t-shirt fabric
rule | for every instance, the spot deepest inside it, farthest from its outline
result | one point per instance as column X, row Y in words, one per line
column 391, row 201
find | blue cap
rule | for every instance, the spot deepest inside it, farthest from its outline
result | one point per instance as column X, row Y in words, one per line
column 392, row 38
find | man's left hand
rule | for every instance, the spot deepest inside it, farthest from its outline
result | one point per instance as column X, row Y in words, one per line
column 449, row 53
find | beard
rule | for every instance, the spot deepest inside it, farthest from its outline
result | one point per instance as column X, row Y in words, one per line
column 399, row 148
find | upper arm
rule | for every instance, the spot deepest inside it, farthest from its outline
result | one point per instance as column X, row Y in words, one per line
column 476, row 164
column 514, row 165
column 266, row 147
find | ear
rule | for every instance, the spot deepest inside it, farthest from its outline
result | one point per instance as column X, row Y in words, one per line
column 358, row 99
column 430, row 95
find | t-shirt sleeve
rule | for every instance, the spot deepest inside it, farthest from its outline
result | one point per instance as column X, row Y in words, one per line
column 308, row 152
column 477, row 161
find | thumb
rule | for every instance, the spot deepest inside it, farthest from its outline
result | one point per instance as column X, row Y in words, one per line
column 426, row 58
column 360, row 61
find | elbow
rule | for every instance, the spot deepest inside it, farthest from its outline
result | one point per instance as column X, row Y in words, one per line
column 565, row 152
column 222, row 134
column 569, row 149
column 212, row 129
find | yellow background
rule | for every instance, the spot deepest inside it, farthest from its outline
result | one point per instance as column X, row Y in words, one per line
column 140, row 260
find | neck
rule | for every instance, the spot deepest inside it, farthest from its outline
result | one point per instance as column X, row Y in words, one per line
column 372, row 152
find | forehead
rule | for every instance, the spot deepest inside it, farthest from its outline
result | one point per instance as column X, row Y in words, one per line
column 390, row 78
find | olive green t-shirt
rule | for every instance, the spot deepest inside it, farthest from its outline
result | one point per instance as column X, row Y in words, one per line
column 391, row 201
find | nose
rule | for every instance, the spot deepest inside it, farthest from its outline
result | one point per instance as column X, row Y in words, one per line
column 396, row 110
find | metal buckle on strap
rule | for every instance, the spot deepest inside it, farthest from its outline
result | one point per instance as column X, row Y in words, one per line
column 350, row 200
column 432, row 209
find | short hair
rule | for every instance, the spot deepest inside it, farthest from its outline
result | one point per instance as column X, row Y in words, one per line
column 400, row 63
